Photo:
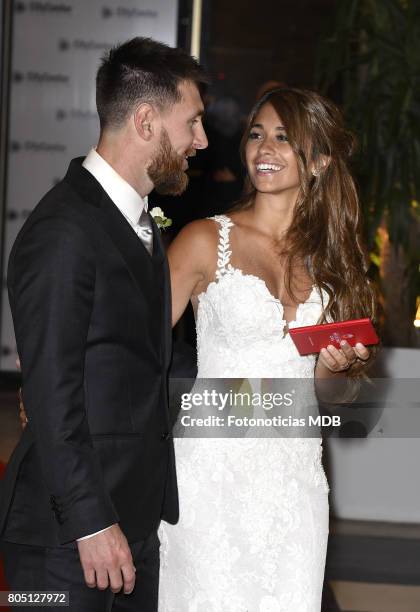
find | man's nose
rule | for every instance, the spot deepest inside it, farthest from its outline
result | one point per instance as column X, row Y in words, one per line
column 200, row 139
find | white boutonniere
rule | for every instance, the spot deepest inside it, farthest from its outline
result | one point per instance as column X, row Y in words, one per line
column 159, row 217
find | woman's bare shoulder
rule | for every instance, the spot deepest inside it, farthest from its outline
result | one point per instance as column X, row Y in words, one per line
column 198, row 235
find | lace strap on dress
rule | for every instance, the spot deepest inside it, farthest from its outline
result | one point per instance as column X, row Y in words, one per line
column 223, row 252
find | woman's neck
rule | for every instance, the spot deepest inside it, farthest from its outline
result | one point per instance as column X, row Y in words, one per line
column 273, row 213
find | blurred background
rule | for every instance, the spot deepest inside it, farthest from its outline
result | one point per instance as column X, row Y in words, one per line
column 365, row 55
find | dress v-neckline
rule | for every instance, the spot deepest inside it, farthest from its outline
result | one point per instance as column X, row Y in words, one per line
column 232, row 269
column 278, row 300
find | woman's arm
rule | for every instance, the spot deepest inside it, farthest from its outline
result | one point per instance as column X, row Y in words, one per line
column 192, row 262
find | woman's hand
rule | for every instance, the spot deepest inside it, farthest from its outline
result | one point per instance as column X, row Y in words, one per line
column 22, row 414
column 337, row 361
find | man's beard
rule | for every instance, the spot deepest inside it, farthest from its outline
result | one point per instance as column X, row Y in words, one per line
column 167, row 169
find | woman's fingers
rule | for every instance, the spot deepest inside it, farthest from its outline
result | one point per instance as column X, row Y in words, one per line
column 359, row 351
column 340, row 360
column 362, row 352
column 334, row 359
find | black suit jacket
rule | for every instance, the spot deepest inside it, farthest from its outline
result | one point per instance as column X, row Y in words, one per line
column 92, row 316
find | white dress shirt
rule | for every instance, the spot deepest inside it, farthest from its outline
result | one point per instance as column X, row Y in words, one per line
column 125, row 198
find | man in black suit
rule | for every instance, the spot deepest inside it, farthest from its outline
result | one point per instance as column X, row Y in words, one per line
column 89, row 289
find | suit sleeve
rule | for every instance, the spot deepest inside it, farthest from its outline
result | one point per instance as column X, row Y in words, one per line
column 51, row 287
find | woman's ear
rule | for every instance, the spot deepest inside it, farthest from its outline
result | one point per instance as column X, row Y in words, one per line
column 321, row 163
column 145, row 118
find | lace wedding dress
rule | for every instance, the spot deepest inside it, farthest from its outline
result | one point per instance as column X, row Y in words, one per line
column 253, row 523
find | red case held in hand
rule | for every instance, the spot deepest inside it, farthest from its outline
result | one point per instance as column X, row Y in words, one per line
column 312, row 338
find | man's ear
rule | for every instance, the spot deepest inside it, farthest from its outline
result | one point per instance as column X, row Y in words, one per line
column 145, row 121
column 321, row 163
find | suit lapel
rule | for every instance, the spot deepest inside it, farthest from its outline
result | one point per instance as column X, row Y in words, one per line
column 158, row 248
column 143, row 268
column 105, row 213
column 167, row 314
column 160, row 260
column 131, row 248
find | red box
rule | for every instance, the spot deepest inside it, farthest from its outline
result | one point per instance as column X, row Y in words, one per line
column 312, row 338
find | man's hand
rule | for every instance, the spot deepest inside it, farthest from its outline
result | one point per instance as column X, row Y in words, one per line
column 106, row 561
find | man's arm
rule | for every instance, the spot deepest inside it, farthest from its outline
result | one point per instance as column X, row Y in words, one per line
column 51, row 286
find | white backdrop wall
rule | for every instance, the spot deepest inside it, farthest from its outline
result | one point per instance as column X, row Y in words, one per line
column 374, row 479
column 56, row 51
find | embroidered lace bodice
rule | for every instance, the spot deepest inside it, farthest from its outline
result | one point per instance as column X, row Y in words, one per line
column 240, row 324
column 253, row 522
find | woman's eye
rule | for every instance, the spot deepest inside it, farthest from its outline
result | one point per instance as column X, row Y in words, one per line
column 254, row 135
column 282, row 138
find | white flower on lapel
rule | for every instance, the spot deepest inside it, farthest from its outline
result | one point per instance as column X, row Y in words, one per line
column 159, row 217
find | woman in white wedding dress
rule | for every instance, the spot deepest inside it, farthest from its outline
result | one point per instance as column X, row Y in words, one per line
column 253, row 523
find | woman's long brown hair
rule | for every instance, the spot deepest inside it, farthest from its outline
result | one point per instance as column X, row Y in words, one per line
column 326, row 230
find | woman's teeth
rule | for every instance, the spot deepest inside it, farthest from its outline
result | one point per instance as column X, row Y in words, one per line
column 268, row 168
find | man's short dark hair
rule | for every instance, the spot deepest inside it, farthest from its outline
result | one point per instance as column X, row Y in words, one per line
column 142, row 70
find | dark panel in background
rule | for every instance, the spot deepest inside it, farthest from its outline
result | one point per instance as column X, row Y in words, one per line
column 245, row 44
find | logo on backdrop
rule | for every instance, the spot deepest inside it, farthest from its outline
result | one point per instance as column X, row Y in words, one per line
column 75, row 113
column 43, row 7
column 83, row 45
column 40, row 77
column 128, row 12
column 37, row 147
column 6, row 351
column 16, row 215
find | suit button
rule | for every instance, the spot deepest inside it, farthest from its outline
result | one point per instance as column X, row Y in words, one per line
column 165, row 436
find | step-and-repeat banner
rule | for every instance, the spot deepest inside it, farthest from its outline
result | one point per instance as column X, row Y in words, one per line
column 57, row 48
